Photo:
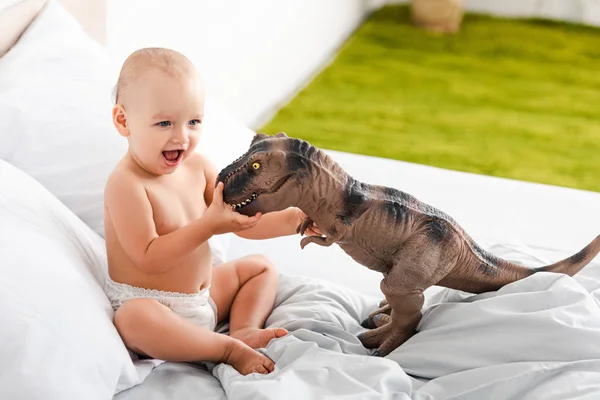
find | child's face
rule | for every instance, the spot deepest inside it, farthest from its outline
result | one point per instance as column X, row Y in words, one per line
column 163, row 120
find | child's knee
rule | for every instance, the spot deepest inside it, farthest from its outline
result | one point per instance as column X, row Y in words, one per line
column 265, row 264
column 261, row 265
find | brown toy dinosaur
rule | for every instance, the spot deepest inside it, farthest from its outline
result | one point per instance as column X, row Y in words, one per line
column 413, row 244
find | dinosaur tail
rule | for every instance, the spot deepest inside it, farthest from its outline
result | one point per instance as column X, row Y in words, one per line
column 573, row 264
column 511, row 272
column 496, row 272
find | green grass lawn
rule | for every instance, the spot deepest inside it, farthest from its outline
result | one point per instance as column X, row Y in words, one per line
column 516, row 99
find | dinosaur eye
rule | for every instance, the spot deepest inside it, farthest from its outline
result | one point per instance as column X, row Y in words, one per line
column 256, row 165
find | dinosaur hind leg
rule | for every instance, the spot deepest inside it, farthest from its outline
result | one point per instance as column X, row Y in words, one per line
column 404, row 283
column 400, row 326
column 379, row 317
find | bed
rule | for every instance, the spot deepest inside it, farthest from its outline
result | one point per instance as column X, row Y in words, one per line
column 532, row 339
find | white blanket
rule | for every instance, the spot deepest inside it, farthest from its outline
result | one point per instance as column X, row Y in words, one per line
column 322, row 357
column 536, row 338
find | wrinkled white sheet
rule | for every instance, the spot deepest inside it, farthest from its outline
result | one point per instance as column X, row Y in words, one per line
column 322, row 357
column 536, row 338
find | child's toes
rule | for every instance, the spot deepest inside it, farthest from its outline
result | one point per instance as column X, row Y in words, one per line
column 270, row 365
column 261, row 370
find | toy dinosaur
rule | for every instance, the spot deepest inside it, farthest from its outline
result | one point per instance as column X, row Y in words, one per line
column 413, row 244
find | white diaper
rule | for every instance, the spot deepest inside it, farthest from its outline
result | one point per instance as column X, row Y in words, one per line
column 198, row 308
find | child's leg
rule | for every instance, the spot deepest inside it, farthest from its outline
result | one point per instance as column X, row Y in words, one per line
column 150, row 328
column 244, row 290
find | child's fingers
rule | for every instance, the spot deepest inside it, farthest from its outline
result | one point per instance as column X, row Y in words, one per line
column 244, row 218
column 256, row 217
column 313, row 232
column 246, row 222
column 218, row 193
column 251, row 221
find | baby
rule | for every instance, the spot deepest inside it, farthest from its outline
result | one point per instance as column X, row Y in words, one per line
column 161, row 207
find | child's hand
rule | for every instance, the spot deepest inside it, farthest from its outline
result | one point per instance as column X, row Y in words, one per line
column 223, row 219
column 312, row 229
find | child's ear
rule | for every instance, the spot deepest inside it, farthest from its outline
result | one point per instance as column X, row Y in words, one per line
column 120, row 120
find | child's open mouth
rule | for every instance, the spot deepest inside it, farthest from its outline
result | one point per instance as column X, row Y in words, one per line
column 172, row 157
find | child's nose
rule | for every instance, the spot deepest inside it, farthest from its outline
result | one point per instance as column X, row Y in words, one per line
column 181, row 135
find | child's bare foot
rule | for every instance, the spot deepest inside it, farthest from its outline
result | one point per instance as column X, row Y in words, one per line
column 258, row 338
column 247, row 360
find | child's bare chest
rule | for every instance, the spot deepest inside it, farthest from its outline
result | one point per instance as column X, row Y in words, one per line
column 176, row 202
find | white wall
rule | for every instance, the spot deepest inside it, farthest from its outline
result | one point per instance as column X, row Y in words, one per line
column 581, row 11
column 255, row 54
column 251, row 53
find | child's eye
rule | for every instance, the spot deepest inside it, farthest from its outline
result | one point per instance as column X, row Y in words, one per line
column 164, row 123
column 195, row 122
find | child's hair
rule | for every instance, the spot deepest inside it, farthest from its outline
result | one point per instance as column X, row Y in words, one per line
column 168, row 60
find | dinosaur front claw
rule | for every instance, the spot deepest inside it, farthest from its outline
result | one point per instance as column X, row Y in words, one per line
column 309, row 239
column 304, row 226
column 320, row 240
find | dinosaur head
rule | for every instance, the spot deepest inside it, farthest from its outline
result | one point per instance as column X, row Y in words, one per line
column 268, row 177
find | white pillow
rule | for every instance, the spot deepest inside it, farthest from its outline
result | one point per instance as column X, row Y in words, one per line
column 58, row 338
column 15, row 16
column 55, row 116
column 57, row 82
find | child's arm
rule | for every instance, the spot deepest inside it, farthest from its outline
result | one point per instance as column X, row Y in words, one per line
column 130, row 210
column 275, row 224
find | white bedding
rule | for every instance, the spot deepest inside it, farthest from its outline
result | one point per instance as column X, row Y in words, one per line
column 537, row 338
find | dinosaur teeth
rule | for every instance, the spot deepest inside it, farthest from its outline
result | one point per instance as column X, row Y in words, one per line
column 245, row 202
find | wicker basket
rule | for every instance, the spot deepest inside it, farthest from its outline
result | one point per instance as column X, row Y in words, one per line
column 442, row 16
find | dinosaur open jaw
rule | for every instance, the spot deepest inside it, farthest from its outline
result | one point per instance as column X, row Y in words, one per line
column 274, row 189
